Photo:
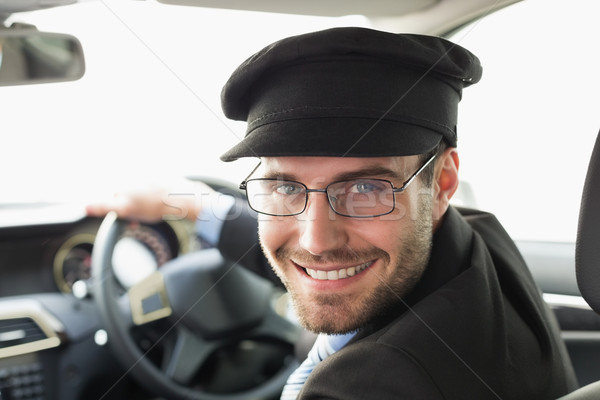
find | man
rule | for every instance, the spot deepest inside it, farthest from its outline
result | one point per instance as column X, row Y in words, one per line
column 356, row 133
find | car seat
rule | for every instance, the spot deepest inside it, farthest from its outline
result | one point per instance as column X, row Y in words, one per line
column 587, row 254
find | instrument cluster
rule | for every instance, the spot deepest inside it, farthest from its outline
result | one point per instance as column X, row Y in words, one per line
column 141, row 250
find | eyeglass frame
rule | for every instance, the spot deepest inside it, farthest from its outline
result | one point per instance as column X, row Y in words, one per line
column 405, row 184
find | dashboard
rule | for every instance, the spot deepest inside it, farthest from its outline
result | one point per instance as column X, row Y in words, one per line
column 52, row 257
column 45, row 328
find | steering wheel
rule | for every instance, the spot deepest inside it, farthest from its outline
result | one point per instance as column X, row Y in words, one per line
column 210, row 310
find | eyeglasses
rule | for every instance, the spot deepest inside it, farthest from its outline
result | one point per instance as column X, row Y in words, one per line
column 357, row 198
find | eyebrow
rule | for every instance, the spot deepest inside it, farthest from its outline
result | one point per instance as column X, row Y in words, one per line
column 374, row 171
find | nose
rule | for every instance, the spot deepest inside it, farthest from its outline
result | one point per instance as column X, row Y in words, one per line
column 321, row 230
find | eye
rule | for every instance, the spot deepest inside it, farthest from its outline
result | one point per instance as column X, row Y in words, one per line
column 288, row 188
column 366, row 186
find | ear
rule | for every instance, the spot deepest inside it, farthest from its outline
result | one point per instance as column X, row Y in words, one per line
column 445, row 182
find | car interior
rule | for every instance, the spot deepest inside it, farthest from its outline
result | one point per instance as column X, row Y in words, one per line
column 103, row 308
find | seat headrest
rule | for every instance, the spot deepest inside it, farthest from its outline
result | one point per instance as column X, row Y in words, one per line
column 587, row 248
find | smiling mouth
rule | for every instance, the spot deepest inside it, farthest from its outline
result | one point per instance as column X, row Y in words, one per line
column 337, row 274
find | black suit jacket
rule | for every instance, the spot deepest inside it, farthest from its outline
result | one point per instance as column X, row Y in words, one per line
column 475, row 327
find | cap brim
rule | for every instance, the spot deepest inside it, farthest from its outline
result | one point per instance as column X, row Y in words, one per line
column 355, row 137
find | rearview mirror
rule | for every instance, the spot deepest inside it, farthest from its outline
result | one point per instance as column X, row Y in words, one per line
column 28, row 56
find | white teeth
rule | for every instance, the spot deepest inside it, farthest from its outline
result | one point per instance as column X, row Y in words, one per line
column 337, row 274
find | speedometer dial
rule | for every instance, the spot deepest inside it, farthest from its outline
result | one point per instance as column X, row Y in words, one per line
column 73, row 261
column 139, row 252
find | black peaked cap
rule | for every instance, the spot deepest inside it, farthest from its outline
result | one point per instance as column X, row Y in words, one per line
column 349, row 92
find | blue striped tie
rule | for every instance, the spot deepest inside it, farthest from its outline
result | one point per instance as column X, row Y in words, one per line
column 324, row 346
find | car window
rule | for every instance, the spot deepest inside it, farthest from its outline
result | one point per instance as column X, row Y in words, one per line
column 527, row 129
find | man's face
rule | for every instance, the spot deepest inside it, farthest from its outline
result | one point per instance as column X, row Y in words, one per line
column 342, row 272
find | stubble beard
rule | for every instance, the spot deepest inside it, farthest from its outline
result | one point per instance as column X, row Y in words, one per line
column 334, row 313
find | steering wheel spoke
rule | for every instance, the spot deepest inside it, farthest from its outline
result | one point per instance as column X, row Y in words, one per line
column 148, row 300
column 187, row 355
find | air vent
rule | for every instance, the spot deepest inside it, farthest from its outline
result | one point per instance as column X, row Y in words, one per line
column 26, row 327
column 18, row 331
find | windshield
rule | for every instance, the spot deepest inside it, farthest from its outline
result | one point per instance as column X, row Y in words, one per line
column 148, row 107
